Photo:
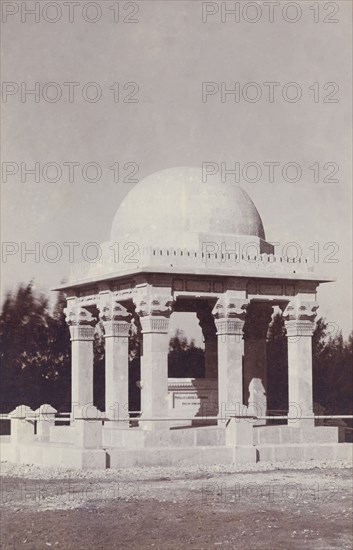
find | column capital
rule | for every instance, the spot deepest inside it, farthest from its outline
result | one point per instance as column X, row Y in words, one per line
column 115, row 317
column 154, row 308
column 229, row 314
column 80, row 321
column 299, row 317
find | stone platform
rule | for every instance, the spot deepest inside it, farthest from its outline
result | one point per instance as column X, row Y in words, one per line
column 281, row 443
column 89, row 445
column 52, row 455
column 283, row 435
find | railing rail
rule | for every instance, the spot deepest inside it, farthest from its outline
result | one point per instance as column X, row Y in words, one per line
column 61, row 418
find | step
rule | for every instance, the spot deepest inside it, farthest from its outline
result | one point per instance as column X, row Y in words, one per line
column 177, row 456
column 182, row 437
column 304, row 452
column 277, row 435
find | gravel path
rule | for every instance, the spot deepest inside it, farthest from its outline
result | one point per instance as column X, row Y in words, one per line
column 268, row 506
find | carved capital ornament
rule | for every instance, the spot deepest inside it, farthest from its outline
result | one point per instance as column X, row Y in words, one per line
column 81, row 322
column 299, row 318
column 229, row 314
column 154, row 310
column 115, row 317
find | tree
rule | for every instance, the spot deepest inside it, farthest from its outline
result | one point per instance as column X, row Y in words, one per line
column 277, row 365
column 332, row 370
column 35, row 351
column 24, row 323
column 184, row 358
column 99, row 368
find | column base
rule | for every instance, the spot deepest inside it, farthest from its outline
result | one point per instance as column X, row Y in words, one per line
column 303, row 423
column 117, row 425
column 155, row 425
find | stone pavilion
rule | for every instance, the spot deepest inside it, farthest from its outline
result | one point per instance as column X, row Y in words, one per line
column 181, row 244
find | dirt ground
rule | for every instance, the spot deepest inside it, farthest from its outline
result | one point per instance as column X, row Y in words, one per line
column 214, row 507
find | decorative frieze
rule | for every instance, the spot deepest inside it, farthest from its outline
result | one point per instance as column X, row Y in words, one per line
column 289, row 290
column 192, row 384
column 218, row 286
column 154, row 324
column 299, row 328
column 86, row 301
column 270, row 289
column 87, row 291
column 229, row 326
column 197, row 285
column 82, row 332
column 178, row 284
column 116, row 329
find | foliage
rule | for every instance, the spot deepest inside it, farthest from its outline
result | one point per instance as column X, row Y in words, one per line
column 185, row 359
column 332, row 368
column 34, row 350
column 277, row 361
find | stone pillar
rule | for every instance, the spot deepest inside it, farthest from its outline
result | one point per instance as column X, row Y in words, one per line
column 257, row 321
column 153, row 305
column 209, row 331
column 88, row 428
column 229, row 313
column 116, row 321
column 81, row 323
column 299, row 319
column 22, row 424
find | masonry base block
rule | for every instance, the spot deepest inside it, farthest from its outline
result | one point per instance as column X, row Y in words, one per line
column 132, row 447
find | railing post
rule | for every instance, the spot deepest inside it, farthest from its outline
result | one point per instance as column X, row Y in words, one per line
column 22, row 424
column 88, row 428
column 46, row 418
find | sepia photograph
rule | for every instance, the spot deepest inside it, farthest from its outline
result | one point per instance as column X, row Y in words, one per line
column 176, row 329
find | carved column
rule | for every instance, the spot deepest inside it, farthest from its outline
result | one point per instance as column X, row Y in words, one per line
column 153, row 305
column 299, row 319
column 81, row 323
column 209, row 331
column 116, row 321
column 257, row 321
column 229, row 313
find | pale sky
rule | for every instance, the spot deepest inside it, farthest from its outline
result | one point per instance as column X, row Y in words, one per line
column 169, row 53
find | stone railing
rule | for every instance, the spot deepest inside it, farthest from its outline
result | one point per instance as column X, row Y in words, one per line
column 169, row 259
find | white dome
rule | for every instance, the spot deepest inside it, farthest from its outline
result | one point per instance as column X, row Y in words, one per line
column 174, row 207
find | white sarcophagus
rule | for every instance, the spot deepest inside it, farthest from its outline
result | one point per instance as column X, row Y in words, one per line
column 192, row 398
